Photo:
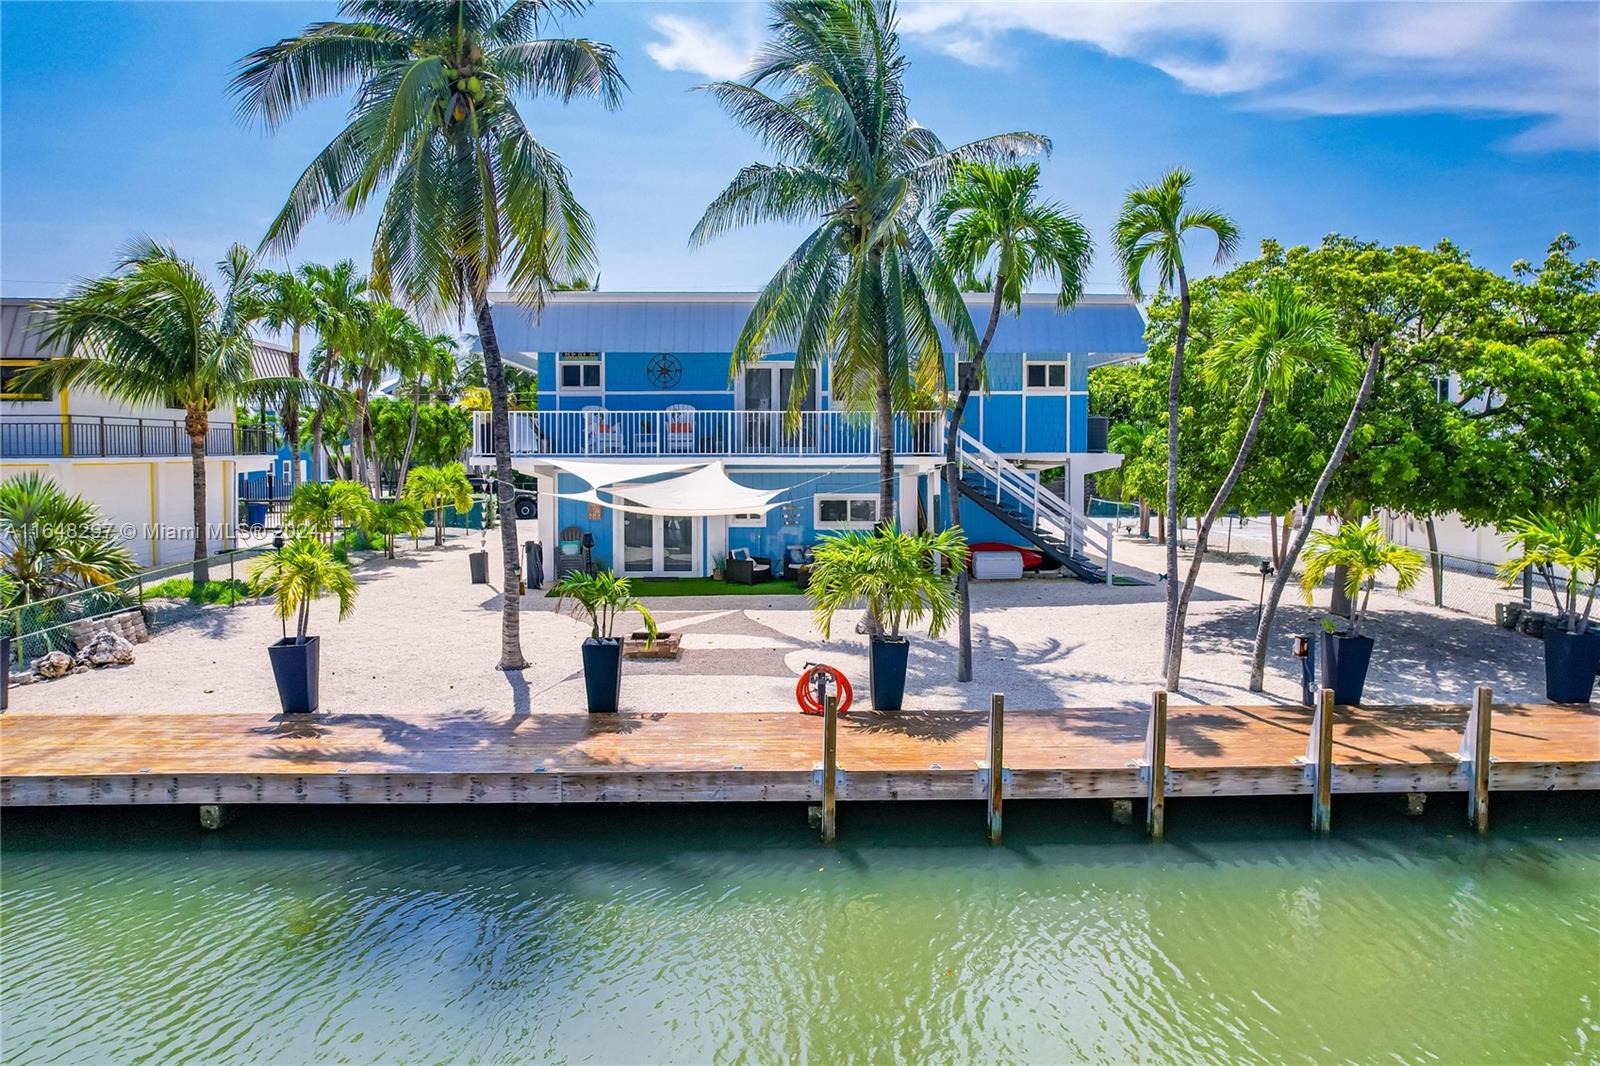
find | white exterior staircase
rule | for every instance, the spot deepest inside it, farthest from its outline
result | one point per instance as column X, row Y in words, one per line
column 1039, row 515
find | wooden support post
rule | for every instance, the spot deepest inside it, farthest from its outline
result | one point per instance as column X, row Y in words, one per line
column 996, row 766
column 1474, row 757
column 214, row 815
column 1319, row 757
column 1155, row 765
column 830, row 768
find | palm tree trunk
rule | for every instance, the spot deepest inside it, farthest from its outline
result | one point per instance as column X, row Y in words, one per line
column 1435, row 563
column 885, row 418
column 494, row 373
column 411, row 440
column 1258, row 661
column 952, row 478
column 196, row 424
column 1203, row 533
column 1272, row 538
column 291, row 416
column 1173, row 383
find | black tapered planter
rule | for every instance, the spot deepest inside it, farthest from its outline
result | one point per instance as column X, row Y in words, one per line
column 1344, row 666
column 5, row 678
column 479, row 561
column 602, row 673
column 294, row 668
column 1570, row 663
column 887, row 672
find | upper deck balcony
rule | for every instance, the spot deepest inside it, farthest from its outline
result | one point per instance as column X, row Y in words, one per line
column 711, row 434
column 120, row 438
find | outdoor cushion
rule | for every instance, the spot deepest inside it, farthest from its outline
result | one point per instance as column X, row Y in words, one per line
column 742, row 554
column 682, row 427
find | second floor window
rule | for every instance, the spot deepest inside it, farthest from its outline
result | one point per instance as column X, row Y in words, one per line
column 1047, row 377
column 11, row 387
column 579, row 371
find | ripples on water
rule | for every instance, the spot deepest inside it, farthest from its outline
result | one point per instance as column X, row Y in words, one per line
column 713, row 934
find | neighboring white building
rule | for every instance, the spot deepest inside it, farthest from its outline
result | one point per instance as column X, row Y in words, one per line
column 134, row 463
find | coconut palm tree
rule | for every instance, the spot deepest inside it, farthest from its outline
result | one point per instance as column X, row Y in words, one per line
column 990, row 220
column 1275, row 337
column 867, row 288
column 1149, row 231
column 471, row 194
column 284, row 300
column 157, row 332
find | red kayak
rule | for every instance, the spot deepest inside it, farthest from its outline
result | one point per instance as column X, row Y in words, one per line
column 1031, row 559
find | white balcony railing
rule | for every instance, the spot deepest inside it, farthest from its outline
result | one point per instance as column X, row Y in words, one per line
column 708, row 433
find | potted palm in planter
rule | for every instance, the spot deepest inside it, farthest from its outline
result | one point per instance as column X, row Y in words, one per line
column 897, row 577
column 1564, row 550
column 297, row 573
column 1364, row 552
column 600, row 598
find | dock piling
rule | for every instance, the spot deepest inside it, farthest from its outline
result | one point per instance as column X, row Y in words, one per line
column 1155, row 766
column 1319, row 758
column 214, row 815
column 1475, row 758
column 830, row 769
column 995, row 770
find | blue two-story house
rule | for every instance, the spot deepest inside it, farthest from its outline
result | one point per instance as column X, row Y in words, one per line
column 645, row 441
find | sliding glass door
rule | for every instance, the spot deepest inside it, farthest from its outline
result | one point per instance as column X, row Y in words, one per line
column 660, row 545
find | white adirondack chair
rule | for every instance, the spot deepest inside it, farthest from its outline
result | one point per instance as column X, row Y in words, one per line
column 680, row 428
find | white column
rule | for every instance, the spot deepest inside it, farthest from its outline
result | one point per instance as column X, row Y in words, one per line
column 548, row 506
column 1074, row 483
column 908, row 501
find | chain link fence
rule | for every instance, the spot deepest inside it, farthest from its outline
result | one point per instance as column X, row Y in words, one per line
column 46, row 625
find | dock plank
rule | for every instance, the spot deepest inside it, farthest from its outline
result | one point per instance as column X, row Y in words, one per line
column 455, row 757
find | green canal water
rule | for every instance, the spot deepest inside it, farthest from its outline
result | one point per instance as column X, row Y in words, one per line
column 700, row 934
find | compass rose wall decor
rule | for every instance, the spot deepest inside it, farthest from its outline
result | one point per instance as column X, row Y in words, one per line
column 664, row 370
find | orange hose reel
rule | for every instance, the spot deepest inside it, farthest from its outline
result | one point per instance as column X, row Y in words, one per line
column 805, row 689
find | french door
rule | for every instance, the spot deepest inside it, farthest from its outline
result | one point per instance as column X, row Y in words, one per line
column 660, row 545
column 767, row 392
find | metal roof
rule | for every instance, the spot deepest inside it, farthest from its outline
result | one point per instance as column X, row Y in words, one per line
column 1106, row 325
column 20, row 338
column 20, row 321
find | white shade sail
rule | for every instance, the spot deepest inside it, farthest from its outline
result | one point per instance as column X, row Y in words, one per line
column 704, row 491
column 601, row 473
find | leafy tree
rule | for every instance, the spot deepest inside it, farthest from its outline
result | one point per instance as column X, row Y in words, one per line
column 1276, row 336
column 991, row 220
column 1362, row 553
column 1150, row 231
column 53, row 542
column 429, row 362
column 157, row 332
column 301, row 571
column 436, row 487
column 866, row 288
column 522, row 386
column 471, row 193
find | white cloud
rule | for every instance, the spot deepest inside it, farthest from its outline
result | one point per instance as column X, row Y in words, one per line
column 721, row 54
column 1533, row 60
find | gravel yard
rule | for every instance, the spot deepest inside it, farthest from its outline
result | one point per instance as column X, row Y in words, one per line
column 423, row 637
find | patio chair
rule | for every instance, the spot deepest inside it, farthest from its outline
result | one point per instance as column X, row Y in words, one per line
column 569, row 552
column 600, row 435
column 742, row 568
column 797, row 561
column 680, row 428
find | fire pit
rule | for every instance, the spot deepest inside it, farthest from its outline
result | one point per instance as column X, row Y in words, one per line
column 665, row 647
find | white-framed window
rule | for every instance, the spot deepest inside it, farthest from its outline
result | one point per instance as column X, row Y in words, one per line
column 846, row 511
column 964, row 369
column 1045, row 376
column 579, row 371
column 1441, row 387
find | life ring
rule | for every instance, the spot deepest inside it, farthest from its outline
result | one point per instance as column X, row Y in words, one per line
column 806, row 697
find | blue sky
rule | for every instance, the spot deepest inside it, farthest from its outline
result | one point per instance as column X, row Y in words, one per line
column 1394, row 122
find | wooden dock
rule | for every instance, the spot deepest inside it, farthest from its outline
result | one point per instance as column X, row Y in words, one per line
column 1107, row 753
